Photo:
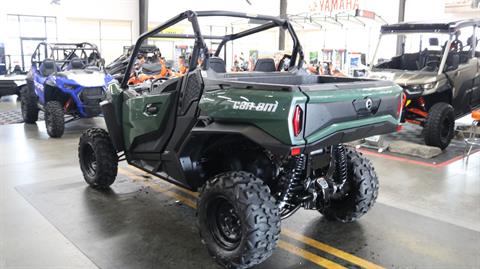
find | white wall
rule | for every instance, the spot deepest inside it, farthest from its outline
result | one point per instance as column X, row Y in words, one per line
column 350, row 36
column 82, row 21
column 355, row 37
column 114, row 23
column 159, row 12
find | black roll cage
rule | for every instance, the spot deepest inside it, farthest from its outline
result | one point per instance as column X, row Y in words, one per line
column 56, row 47
column 271, row 22
column 425, row 27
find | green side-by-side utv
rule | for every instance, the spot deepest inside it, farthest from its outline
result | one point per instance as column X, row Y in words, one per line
column 256, row 145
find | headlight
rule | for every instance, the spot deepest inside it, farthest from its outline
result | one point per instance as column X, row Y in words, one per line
column 429, row 86
column 415, row 87
column 69, row 86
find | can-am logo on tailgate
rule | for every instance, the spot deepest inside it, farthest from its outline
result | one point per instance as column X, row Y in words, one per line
column 265, row 107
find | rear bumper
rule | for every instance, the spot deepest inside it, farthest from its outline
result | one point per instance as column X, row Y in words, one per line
column 348, row 135
column 278, row 148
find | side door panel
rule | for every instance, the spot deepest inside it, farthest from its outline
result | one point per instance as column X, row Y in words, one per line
column 144, row 120
column 475, row 101
column 463, row 82
column 39, row 85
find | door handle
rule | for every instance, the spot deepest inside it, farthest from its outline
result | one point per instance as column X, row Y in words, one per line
column 151, row 109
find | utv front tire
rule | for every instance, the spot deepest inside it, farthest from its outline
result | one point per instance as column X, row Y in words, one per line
column 361, row 190
column 29, row 107
column 54, row 119
column 440, row 124
column 98, row 159
column 238, row 220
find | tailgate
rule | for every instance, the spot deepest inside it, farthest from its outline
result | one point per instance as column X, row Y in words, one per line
column 343, row 112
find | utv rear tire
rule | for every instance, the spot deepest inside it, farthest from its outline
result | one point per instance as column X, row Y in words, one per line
column 98, row 159
column 54, row 119
column 361, row 190
column 238, row 219
column 29, row 107
column 440, row 124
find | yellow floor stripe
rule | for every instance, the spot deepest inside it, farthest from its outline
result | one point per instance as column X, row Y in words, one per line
column 289, row 233
column 282, row 244
column 331, row 250
column 309, row 255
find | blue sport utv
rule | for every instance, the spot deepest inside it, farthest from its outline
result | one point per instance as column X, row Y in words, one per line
column 66, row 79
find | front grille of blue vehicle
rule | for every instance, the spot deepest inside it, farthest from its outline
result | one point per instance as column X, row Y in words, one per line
column 91, row 98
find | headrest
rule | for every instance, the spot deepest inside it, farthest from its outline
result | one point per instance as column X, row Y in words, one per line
column 265, row 65
column 470, row 41
column 48, row 64
column 217, row 64
column 76, row 63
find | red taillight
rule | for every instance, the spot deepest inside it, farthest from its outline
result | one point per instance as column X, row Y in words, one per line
column 297, row 120
column 296, row 151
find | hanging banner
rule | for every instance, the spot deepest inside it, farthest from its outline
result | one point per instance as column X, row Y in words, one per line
column 333, row 6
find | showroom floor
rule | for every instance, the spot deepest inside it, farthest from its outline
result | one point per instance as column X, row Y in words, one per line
column 425, row 217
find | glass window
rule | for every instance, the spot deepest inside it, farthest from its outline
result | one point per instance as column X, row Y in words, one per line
column 13, row 29
column 51, row 26
column 32, row 26
column 25, row 32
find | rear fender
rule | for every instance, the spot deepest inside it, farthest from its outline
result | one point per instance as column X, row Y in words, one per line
column 247, row 143
column 250, row 132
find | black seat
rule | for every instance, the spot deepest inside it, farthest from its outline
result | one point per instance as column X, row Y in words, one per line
column 409, row 61
column 151, row 69
column 47, row 67
column 452, row 62
column 76, row 63
column 17, row 69
column 217, row 64
column 265, row 65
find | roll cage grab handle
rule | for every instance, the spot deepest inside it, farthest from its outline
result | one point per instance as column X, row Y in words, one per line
column 200, row 44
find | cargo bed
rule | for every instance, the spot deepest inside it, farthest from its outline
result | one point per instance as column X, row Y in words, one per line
column 288, row 82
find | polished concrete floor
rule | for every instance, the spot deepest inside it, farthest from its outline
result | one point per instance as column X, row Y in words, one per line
column 426, row 217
